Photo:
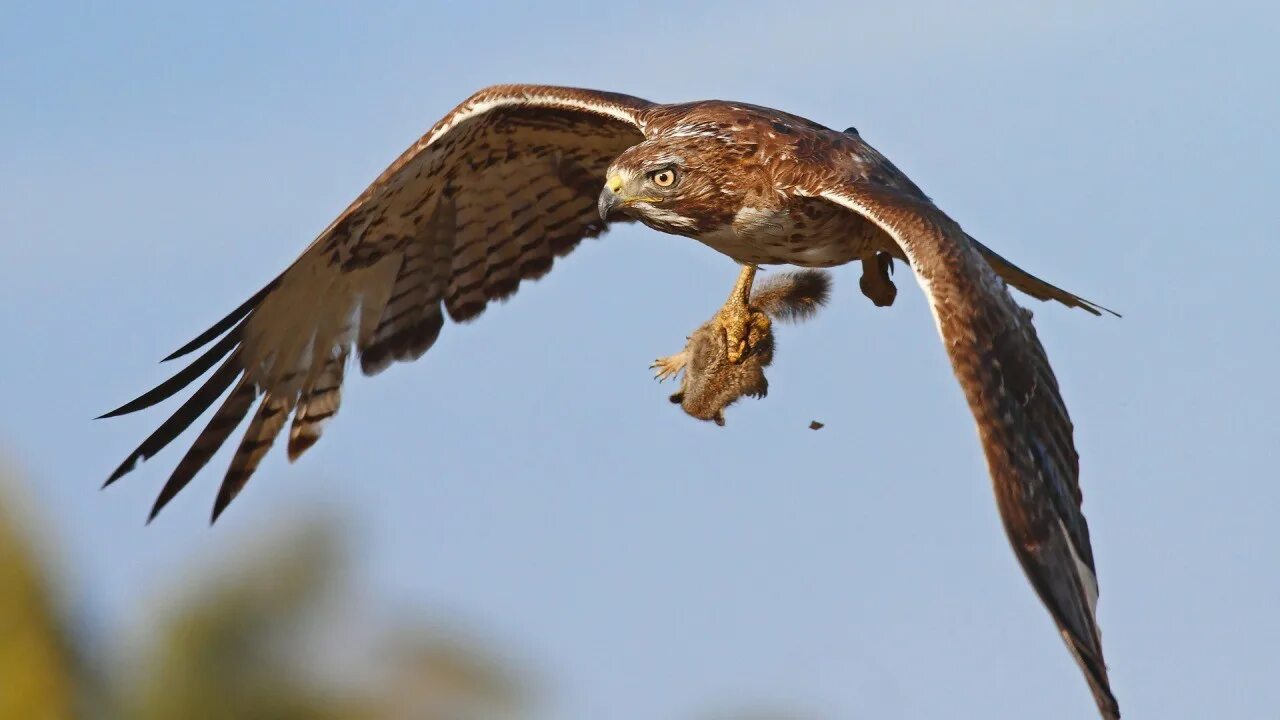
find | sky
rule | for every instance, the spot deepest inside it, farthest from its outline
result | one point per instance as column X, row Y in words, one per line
column 528, row 481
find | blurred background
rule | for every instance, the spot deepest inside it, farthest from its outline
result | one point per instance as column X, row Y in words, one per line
column 269, row 631
column 520, row 524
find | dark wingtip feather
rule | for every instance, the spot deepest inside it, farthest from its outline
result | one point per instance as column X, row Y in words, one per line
column 180, row 380
column 232, row 484
column 258, row 439
column 182, row 418
column 226, row 494
column 224, row 421
column 125, row 468
column 225, row 323
column 1095, row 673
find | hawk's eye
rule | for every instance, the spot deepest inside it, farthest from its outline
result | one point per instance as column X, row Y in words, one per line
column 664, row 178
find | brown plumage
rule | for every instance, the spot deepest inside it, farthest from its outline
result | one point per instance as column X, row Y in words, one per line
column 510, row 180
column 710, row 382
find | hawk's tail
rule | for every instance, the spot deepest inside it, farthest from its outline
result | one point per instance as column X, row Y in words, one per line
column 1034, row 286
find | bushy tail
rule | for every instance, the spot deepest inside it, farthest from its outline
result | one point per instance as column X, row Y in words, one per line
column 792, row 296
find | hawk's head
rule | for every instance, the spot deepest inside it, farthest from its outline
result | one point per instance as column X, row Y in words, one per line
column 680, row 183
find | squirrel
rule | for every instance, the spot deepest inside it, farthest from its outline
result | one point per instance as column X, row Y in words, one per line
column 711, row 382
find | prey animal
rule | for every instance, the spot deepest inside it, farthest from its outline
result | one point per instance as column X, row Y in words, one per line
column 518, row 175
column 711, row 381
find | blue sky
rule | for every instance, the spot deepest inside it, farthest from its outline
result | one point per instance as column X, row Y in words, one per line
column 527, row 479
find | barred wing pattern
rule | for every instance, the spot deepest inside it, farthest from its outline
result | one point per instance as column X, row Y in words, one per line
column 488, row 198
column 1022, row 421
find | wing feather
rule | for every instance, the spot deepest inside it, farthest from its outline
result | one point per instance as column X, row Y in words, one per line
column 318, row 403
column 410, row 320
column 224, row 422
column 1022, row 421
column 195, row 406
column 224, row 324
column 180, row 380
column 485, row 200
column 272, row 413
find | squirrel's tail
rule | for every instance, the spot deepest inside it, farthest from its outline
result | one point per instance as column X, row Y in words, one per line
column 792, row 296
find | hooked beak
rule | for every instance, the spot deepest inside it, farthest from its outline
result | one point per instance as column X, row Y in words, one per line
column 609, row 199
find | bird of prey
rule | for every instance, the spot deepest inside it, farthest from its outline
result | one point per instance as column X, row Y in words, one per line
column 512, row 178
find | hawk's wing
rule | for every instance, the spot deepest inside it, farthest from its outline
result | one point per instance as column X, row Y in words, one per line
column 1022, row 421
column 486, row 199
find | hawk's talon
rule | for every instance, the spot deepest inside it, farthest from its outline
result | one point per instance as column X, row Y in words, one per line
column 742, row 336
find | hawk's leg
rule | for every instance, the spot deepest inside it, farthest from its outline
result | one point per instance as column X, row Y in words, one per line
column 670, row 366
column 736, row 319
column 875, row 282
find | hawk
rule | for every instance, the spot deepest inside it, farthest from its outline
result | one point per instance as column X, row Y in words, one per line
column 512, row 178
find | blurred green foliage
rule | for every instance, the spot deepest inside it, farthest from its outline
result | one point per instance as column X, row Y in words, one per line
column 38, row 674
column 265, row 636
column 247, row 643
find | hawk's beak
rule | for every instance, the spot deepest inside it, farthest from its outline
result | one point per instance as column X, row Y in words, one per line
column 609, row 198
column 608, row 201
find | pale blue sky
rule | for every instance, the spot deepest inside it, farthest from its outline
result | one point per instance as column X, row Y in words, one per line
column 529, row 480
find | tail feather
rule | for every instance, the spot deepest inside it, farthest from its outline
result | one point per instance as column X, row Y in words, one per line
column 1034, row 286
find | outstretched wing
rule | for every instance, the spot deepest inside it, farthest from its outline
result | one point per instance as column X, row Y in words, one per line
column 1022, row 421
column 488, row 198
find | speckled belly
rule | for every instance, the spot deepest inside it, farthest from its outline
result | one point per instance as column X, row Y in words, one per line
column 807, row 232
